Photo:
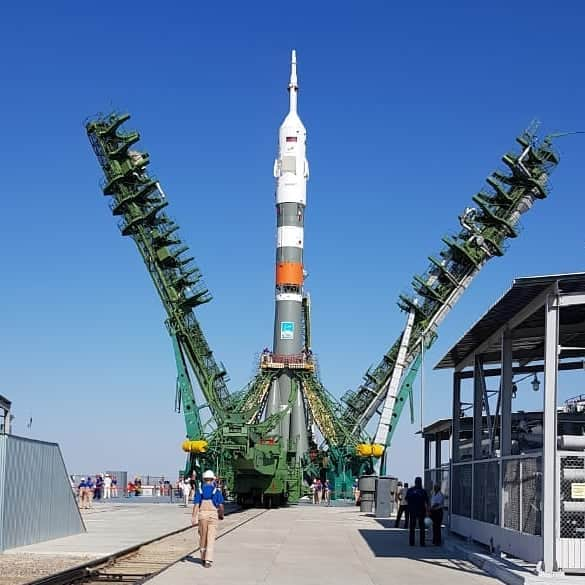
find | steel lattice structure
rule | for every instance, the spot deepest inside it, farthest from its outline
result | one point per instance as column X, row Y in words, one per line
column 242, row 446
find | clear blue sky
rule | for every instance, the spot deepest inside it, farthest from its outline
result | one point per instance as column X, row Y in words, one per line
column 408, row 108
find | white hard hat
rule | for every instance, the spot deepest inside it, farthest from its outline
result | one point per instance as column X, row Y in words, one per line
column 208, row 474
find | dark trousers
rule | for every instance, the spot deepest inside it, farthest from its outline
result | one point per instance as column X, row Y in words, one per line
column 402, row 509
column 417, row 518
column 437, row 518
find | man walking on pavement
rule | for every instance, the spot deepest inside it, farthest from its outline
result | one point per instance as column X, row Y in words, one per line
column 402, row 505
column 207, row 510
column 418, row 502
column 82, row 487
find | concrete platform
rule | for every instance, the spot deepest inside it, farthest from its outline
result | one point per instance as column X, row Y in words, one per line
column 509, row 570
column 114, row 527
column 316, row 545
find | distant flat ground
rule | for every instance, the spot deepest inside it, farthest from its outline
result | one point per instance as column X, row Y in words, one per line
column 306, row 545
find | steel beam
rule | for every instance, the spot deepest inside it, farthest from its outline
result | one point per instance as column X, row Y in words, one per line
column 571, row 299
column 456, row 417
column 549, row 504
column 516, row 320
column 506, row 384
column 520, row 370
column 427, row 453
column 477, row 406
column 438, row 456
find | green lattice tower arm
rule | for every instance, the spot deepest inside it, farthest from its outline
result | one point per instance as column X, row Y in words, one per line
column 139, row 200
column 186, row 396
column 484, row 232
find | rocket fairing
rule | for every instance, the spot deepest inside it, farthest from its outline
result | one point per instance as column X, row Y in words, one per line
column 291, row 171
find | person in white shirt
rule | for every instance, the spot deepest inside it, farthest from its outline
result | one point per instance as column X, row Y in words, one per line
column 107, row 486
column 437, row 503
column 402, row 505
column 187, row 488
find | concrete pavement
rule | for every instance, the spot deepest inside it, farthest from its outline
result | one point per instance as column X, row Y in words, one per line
column 313, row 545
column 114, row 527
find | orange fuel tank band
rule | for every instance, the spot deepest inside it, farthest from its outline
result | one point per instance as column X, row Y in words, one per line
column 289, row 273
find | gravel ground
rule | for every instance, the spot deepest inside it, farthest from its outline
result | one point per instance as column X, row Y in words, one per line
column 17, row 569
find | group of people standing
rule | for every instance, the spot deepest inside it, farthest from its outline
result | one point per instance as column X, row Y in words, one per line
column 416, row 505
column 88, row 489
column 321, row 491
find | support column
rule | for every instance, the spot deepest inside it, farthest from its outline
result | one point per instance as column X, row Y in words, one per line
column 549, row 452
column 427, row 453
column 506, row 397
column 456, row 417
column 438, row 474
column 477, row 406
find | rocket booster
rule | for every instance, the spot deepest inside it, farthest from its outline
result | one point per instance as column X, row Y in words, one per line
column 291, row 171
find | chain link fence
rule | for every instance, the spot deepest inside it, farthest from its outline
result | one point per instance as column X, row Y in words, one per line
column 462, row 489
column 504, row 492
column 572, row 484
column 486, row 491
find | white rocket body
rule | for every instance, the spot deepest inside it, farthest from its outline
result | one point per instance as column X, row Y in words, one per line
column 291, row 168
column 291, row 171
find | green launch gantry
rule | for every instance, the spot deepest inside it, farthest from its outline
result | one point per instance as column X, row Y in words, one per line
column 242, row 448
column 484, row 232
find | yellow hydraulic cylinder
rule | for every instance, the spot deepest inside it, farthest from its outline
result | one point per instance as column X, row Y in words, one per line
column 377, row 450
column 367, row 450
column 199, row 446
column 364, row 450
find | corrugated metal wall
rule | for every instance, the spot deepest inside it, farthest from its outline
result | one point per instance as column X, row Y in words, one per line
column 36, row 500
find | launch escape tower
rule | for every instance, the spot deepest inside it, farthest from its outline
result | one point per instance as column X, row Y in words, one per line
column 261, row 439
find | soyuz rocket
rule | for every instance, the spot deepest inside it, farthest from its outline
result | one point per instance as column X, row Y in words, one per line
column 291, row 171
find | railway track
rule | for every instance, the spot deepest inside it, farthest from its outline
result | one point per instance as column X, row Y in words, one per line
column 142, row 562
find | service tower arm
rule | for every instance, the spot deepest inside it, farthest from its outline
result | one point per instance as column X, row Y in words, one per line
column 140, row 200
column 484, row 231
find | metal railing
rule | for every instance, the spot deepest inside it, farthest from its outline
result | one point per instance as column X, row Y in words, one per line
column 296, row 361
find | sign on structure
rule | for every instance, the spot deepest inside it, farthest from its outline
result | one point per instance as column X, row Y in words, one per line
column 287, row 330
column 578, row 491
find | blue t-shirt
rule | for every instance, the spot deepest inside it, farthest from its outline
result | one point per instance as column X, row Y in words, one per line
column 208, row 492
